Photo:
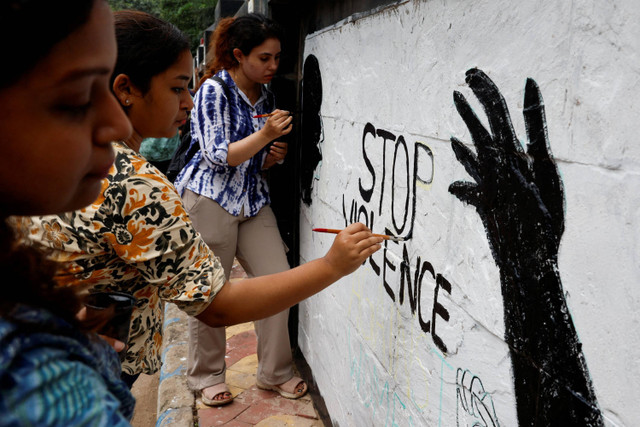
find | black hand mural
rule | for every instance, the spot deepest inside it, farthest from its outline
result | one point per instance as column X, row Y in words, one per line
column 311, row 125
column 519, row 197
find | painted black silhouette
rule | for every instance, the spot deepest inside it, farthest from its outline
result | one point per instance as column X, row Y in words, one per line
column 310, row 154
column 519, row 197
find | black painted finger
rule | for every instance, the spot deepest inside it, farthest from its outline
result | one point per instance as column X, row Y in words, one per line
column 534, row 120
column 480, row 136
column 467, row 192
column 466, row 157
column 544, row 167
column 552, row 194
column 496, row 109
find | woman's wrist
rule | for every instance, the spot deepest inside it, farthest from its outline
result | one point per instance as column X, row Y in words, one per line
column 265, row 137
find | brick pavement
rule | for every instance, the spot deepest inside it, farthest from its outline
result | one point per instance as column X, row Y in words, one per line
column 178, row 406
column 252, row 406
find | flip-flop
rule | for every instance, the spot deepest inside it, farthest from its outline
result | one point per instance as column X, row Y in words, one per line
column 288, row 389
column 216, row 390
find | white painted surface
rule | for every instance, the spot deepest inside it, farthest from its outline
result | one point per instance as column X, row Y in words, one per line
column 397, row 69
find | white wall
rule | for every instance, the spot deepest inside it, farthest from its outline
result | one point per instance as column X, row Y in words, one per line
column 396, row 69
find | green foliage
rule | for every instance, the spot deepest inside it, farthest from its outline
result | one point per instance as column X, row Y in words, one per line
column 149, row 6
column 191, row 16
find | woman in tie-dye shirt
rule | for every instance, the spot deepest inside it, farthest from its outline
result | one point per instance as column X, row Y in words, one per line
column 225, row 190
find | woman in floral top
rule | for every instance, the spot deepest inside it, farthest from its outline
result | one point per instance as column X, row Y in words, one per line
column 136, row 237
column 56, row 133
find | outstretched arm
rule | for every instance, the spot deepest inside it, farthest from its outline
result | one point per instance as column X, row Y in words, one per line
column 263, row 296
column 518, row 195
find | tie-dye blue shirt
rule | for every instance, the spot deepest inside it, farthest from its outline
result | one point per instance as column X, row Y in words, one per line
column 53, row 375
column 215, row 123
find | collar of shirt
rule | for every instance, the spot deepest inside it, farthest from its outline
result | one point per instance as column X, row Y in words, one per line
column 264, row 93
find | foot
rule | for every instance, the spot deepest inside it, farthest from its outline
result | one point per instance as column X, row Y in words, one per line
column 295, row 388
column 216, row 395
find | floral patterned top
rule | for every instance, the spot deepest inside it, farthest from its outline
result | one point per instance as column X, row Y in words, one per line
column 137, row 238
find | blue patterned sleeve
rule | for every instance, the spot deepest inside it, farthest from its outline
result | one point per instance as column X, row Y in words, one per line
column 46, row 384
column 65, row 393
column 211, row 125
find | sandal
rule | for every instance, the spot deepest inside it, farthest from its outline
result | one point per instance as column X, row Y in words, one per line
column 216, row 390
column 295, row 388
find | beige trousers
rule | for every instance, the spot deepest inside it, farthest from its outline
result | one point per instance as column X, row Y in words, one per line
column 257, row 244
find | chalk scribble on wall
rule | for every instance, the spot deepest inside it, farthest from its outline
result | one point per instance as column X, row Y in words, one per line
column 311, row 125
column 473, row 400
column 519, row 197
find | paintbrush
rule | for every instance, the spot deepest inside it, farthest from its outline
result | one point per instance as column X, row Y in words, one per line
column 384, row 236
column 259, row 116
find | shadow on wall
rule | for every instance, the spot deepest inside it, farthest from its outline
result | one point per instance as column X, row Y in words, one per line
column 519, row 197
column 312, row 135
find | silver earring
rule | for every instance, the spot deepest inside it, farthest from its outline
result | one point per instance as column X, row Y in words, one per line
column 126, row 101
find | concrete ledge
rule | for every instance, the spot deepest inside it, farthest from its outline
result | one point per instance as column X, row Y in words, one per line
column 176, row 401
